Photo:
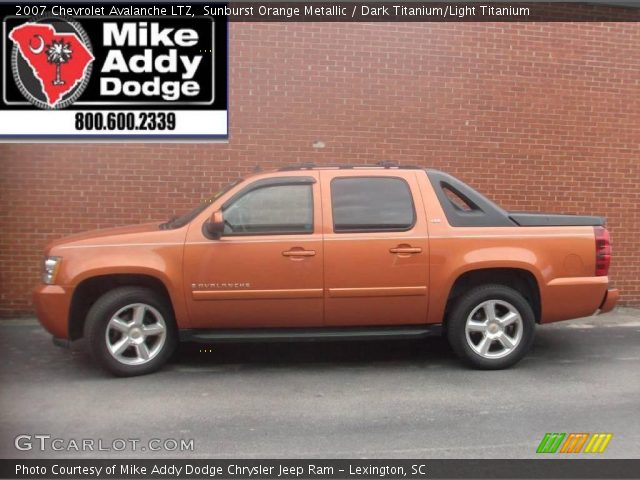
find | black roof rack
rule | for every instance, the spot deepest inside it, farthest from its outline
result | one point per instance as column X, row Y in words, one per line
column 388, row 164
column 384, row 164
column 302, row 166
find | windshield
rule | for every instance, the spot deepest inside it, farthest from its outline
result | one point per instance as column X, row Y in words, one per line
column 182, row 220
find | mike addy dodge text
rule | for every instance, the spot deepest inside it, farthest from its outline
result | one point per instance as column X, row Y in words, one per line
column 164, row 470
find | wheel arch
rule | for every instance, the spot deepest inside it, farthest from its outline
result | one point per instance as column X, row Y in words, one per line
column 91, row 288
column 520, row 279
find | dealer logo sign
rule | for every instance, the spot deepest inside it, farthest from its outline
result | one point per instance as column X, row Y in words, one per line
column 42, row 52
column 169, row 72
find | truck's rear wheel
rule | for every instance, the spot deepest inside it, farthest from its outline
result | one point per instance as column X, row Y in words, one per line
column 491, row 327
column 131, row 331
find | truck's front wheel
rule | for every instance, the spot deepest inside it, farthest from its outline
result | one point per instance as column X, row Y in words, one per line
column 491, row 327
column 131, row 331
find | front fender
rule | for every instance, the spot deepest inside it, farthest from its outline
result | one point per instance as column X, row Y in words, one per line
column 163, row 262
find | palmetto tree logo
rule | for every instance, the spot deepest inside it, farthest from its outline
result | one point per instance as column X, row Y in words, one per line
column 51, row 61
column 58, row 52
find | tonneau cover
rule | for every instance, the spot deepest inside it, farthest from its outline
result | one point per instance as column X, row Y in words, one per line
column 554, row 220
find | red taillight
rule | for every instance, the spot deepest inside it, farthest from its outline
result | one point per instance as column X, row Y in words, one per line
column 603, row 251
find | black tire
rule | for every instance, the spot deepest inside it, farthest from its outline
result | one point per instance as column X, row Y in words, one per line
column 472, row 302
column 106, row 307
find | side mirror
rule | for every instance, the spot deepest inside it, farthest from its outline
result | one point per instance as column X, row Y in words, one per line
column 215, row 225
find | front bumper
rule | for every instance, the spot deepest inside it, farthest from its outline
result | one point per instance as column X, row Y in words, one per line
column 609, row 301
column 52, row 308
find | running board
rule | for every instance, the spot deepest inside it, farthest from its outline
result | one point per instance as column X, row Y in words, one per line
column 309, row 334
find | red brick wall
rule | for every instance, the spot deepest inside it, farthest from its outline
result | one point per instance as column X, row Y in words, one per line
column 537, row 116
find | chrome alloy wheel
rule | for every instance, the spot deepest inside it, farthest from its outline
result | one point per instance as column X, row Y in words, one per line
column 494, row 329
column 136, row 334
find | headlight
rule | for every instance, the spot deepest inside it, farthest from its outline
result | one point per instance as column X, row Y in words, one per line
column 49, row 269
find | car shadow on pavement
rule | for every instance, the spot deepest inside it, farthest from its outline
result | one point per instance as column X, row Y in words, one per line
column 431, row 350
column 41, row 361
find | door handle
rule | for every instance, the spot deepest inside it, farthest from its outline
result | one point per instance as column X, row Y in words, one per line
column 405, row 250
column 299, row 253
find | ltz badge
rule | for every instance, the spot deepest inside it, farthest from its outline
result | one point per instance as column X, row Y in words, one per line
column 114, row 77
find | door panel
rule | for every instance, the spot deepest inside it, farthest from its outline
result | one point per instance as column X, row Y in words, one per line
column 374, row 277
column 249, row 280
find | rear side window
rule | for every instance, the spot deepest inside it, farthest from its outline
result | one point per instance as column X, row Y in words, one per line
column 271, row 210
column 457, row 201
column 371, row 204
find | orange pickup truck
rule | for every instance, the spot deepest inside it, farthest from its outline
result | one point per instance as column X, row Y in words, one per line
column 306, row 253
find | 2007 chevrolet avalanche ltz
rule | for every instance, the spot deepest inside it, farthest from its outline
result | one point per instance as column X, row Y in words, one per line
column 308, row 253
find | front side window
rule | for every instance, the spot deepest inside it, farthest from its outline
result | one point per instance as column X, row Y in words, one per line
column 281, row 209
column 182, row 220
column 371, row 204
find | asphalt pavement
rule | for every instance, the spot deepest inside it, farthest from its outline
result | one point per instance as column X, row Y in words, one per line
column 384, row 399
